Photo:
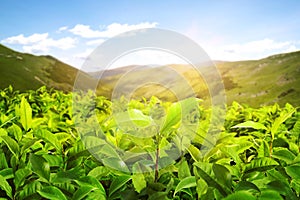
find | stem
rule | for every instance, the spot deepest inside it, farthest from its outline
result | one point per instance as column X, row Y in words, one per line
column 271, row 143
column 271, row 148
column 156, row 163
column 157, row 156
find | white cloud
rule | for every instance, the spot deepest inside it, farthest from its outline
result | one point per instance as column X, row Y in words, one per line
column 95, row 42
column 258, row 46
column 148, row 57
column 78, row 59
column 291, row 49
column 21, row 39
column 45, row 45
column 84, row 31
column 84, row 54
column 40, row 43
column 63, row 28
column 109, row 31
column 251, row 50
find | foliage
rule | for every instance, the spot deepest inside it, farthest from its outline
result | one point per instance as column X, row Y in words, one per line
column 44, row 154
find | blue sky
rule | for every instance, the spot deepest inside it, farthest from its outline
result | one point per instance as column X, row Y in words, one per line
column 226, row 29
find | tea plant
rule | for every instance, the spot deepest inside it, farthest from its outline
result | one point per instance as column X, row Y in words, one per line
column 98, row 149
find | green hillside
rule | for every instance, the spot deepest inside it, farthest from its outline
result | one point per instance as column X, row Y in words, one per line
column 266, row 81
column 26, row 71
column 257, row 82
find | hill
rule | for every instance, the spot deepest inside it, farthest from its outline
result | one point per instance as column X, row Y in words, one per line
column 266, row 81
column 254, row 82
column 25, row 71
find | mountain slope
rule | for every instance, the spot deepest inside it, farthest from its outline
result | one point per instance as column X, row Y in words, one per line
column 266, row 81
column 26, row 71
column 257, row 82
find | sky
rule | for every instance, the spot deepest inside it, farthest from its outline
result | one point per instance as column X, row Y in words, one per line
column 227, row 30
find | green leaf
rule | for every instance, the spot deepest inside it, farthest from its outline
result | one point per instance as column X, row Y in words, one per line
column 283, row 154
column 7, row 173
column 278, row 174
column 62, row 137
column 99, row 172
column 68, row 175
column 282, row 188
column 295, row 184
column 156, row 186
column 202, row 169
column 293, row 171
column 293, row 147
column 195, row 153
column 5, row 120
column 93, row 143
column 12, row 145
column 202, row 187
column 27, row 144
column 260, row 164
column 270, row 195
column 170, row 185
column 158, row 196
column 83, row 191
column 246, row 185
column 118, row 183
column 187, row 182
column 139, row 182
column 131, row 118
column 36, row 122
column 16, row 132
column 223, row 175
column 3, row 132
column 20, row 176
column 29, row 190
column 3, row 162
column 279, row 120
column 139, row 118
column 210, row 194
column 53, row 160
column 14, row 161
column 96, row 194
column 240, row 195
column 190, row 106
column 48, row 137
column 233, row 150
column 173, row 117
column 25, row 114
column 108, row 150
column 143, row 166
column 4, row 185
column 40, row 166
column 53, row 193
column 263, row 149
column 115, row 163
column 250, row 124
column 68, row 188
column 183, row 170
column 91, row 181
